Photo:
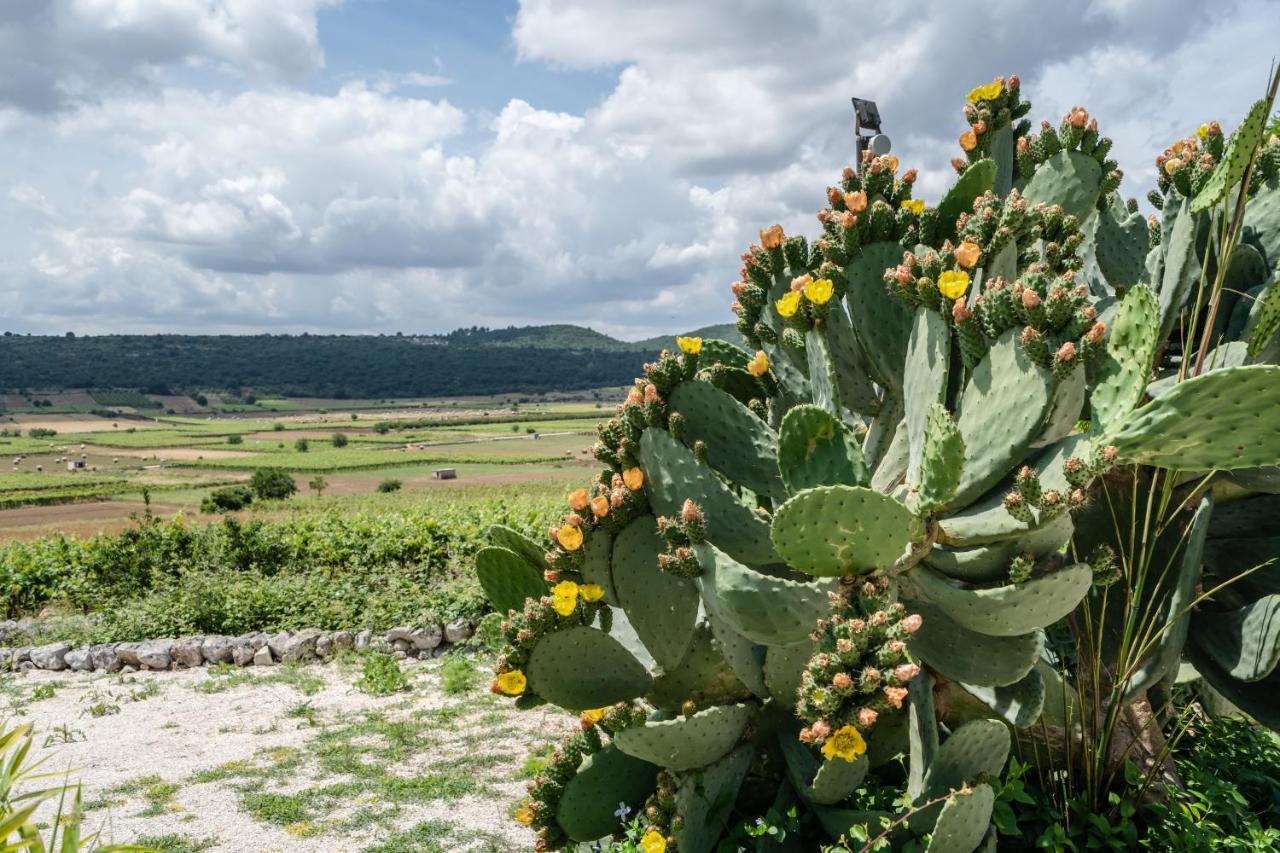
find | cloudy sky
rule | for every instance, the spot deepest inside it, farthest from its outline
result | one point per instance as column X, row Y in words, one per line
column 419, row 165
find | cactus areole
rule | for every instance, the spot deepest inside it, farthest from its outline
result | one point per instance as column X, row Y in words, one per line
column 856, row 538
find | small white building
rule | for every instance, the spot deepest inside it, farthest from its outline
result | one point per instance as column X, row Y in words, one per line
column 75, row 464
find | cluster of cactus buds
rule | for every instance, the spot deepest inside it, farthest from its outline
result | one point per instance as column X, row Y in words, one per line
column 1186, row 165
column 659, row 814
column 860, row 666
column 689, row 528
column 1078, row 132
column 991, row 107
column 1060, row 328
column 872, row 205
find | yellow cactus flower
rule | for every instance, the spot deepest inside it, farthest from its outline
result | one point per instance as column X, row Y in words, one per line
column 633, row 478
column 968, row 140
column 968, row 253
column 846, row 743
column 653, row 842
column 569, row 536
column 788, row 305
column 1202, row 131
column 915, row 205
column 564, row 597
column 891, row 161
column 1172, row 165
column 512, row 683
column 524, row 815
column 689, row 346
column 595, row 715
column 759, row 365
column 578, row 500
column 819, row 292
column 953, row 283
column 987, row 92
column 592, row 592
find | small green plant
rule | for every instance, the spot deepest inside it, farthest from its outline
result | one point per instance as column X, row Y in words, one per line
column 277, row 427
column 458, row 675
column 381, row 675
column 318, row 484
column 43, row 691
column 389, row 485
column 339, row 439
column 235, row 439
column 302, row 445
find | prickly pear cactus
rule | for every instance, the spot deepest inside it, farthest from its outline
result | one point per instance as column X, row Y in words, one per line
column 854, row 539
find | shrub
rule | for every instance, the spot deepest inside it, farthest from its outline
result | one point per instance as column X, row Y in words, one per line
column 339, row 439
column 277, row 426
column 41, row 432
column 302, row 445
column 389, row 485
column 235, row 439
column 381, row 675
column 272, row 483
column 228, row 499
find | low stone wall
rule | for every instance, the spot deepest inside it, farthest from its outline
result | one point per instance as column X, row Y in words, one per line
column 255, row 649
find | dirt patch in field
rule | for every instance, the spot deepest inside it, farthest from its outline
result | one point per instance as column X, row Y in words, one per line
column 351, row 484
column 82, row 519
column 76, row 423
column 170, row 453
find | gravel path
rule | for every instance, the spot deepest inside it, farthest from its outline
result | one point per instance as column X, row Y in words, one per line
column 289, row 759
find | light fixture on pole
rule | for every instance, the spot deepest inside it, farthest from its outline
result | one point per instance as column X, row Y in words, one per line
column 866, row 117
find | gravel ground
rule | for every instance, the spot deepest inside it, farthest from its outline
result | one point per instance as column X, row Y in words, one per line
column 288, row 759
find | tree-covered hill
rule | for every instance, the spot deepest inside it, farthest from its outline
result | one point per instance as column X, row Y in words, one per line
column 467, row 361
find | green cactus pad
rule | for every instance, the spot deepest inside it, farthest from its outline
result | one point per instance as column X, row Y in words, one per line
column 582, row 668
column 597, row 556
column 1003, row 408
column 1219, row 420
column 662, row 608
column 1068, row 178
column 1003, row 153
column 975, row 750
column 739, row 445
column 815, row 449
column 964, row 655
column 1240, row 559
column 922, row 732
column 767, row 609
column 1018, row 704
column 836, row 823
column 1125, row 367
column 507, row 578
column 715, row 351
column 1245, row 643
column 514, row 540
column 977, row 179
column 1235, row 159
column 793, row 381
column 849, row 360
column 672, row 475
column 1262, row 220
column 782, row 668
column 1181, row 264
column 942, row 461
column 1007, row 611
column 588, row 807
column 1255, row 698
column 963, row 822
column 1267, row 322
column 881, row 321
column 744, row 657
column 924, row 380
column 1120, row 243
column 987, row 520
column 986, row 563
column 821, row 782
column 833, row 530
column 1162, row 661
column 891, row 469
column 1244, row 518
column 1069, row 395
column 822, row 375
column 687, row 742
column 704, row 800
column 704, row 676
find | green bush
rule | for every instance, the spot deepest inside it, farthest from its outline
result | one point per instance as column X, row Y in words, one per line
column 381, row 675
column 228, row 499
column 235, row 439
column 41, row 432
column 339, row 439
column 389, row 485
column 272, row 484
column 302, row 445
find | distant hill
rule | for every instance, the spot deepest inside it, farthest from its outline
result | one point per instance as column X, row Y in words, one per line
column 724, row 331
column 530, row 359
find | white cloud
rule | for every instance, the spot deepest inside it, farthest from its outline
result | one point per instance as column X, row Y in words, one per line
column 262, row 205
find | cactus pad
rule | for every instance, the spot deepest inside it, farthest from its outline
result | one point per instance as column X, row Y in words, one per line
column 964, row 655
column 976, row 749
column 507, row 578
column 1002, row 410
column 822, row 376
column 739, row 444
column 815, row 449
column 685, row 743
column 849, row 361
column 1245, row 642
column 1125, row 367
column 1018, row 704
column 881, row 321
column 771, row 610
column 1235, row 159
column 583, row 668
column 704, row 676
column 514, row 540
column 963, row 822
column 1219, row 420
column 662, row 608
column 782, row 668
column 597, row 555
column 672, row 475
column 977, row 179
column 1120, row 244
column 1255, row 698
column 704, row 800
column 834, row 530
column 924, row 380
column 942, row 461
column 1181, row 264
column 1069, row 179
column 588, row 807
column 1007, row 611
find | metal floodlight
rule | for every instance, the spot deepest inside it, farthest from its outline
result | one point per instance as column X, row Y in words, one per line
column 866, row 116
